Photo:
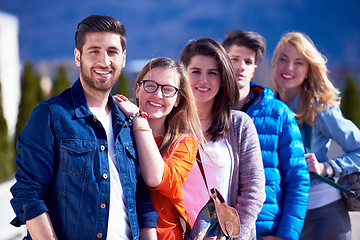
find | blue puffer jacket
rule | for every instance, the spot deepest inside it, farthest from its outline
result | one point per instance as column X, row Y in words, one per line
column 286, row 173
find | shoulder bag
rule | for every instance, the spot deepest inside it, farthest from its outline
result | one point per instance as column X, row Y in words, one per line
column 348, row 185
column 216, row 219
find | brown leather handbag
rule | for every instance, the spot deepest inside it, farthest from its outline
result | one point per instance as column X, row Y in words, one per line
column 216, row 218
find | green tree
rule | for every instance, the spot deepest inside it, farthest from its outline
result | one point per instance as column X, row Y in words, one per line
column 31, row 95
column 7, row 168
column 61, row 81
column 350, row 105
column 122, row 86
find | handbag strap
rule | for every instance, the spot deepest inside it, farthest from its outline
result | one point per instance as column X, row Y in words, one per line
column 214, row 192
column 307, row 137
column 185, row 225
column 307, row 144
column 201, row 167
column 334, row 184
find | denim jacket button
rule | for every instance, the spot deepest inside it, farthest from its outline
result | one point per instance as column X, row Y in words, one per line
column 105, row 176
column 99, row 235
column 103, row 206
column 102, row 148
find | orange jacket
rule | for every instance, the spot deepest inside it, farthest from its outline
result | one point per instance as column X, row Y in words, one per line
column 168, row 197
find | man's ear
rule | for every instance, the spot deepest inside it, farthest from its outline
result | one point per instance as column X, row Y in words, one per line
column 77, row 57
column 124, row 60
column 255, row 68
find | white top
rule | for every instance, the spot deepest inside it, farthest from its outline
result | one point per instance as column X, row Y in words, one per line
column 217, row 171
column 118, row 223
column 317, row 193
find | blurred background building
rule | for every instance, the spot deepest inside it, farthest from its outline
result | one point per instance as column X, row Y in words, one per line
column 9, row 68
column 10, row 92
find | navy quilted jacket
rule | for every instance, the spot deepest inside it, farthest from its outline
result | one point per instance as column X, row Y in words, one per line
column 286, row 173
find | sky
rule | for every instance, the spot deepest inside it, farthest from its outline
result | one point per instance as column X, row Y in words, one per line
column 163, row 27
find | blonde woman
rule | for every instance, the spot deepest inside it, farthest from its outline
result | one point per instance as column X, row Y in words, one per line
column 167, row 132
column 301, row 81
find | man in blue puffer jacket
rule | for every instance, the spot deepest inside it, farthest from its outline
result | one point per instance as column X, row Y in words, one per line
column 286, row 173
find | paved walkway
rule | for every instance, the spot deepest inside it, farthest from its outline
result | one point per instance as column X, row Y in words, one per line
column 8, row 232
column 355, row 225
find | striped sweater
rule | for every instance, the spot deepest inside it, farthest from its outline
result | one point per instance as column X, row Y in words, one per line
column 247, row 177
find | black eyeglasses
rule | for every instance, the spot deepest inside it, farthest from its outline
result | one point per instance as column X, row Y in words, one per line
column 151, row 86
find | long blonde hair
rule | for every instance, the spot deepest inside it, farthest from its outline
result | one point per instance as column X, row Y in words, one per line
column 317, row 91
column 183, row 118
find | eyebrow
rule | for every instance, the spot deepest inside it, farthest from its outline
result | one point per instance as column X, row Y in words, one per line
column 97, row 47
column 194, row 68
column 114, row 48
column 211, row 69
column 284, row 55
column 239, row 56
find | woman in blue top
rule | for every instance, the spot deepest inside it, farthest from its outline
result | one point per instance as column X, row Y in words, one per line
column 301, row 81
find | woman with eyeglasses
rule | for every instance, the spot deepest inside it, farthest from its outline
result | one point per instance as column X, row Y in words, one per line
column 167, row 133
column 232, row 162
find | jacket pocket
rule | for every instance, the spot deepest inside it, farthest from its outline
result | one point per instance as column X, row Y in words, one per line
column 131, row 151
column 77, row 156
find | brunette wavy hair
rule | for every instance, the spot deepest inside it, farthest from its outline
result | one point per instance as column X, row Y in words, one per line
column 228, row 95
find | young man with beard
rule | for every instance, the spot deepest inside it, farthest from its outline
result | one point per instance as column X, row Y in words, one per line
column 287, row 178
column 78, row 175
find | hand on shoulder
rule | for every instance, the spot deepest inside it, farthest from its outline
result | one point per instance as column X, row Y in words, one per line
column 125, row 105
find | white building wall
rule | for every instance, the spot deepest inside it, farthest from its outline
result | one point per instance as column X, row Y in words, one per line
column 9, row 68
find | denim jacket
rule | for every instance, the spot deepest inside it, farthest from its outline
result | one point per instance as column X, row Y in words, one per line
column 63, row 169
column 331, row 125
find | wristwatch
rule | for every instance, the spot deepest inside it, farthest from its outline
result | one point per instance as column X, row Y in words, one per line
column 329, row 170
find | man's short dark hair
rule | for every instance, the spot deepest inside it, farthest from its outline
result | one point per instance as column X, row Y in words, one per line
column 251, row 40
column 99, row 23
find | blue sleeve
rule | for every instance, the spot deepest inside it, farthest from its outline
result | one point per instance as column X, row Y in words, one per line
column 147, row 216
column 295, row 178
column 35, row 164
column 346, row 134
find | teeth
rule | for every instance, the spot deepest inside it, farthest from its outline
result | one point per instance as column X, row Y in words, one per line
column 203, row 89
column 102, row 72
column 287, row 76
column 155, row 104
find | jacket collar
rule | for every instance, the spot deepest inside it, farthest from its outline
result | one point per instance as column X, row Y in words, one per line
column 79, row 101
column 295, row 104
column 82, row 108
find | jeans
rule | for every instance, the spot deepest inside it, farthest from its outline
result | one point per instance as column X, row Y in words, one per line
column 331, row 221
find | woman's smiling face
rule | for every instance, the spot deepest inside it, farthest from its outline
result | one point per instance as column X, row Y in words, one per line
column 205, row 79
column 290, row 68
column 156, row 104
